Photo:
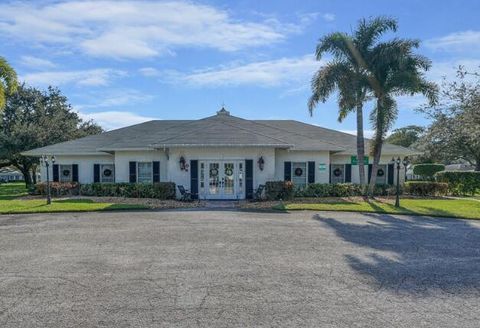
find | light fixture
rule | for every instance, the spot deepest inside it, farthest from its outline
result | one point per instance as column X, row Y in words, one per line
column 182, row 163
column 261, row 163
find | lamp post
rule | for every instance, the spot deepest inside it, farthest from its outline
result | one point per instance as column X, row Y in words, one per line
column 45, row 160
column 398, row 161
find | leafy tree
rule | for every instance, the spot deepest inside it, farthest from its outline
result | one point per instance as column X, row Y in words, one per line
column 34, row 118
column 407, row 136
column 8, row 81
column 394, row 70
column 348, row 74
column 454, row 135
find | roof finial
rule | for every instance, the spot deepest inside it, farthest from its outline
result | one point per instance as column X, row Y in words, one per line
column 223, row 111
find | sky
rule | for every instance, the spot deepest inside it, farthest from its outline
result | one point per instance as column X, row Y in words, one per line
column 125, row 62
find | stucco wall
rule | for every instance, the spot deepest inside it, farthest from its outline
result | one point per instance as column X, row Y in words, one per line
column 122, row 159
column 320, row 157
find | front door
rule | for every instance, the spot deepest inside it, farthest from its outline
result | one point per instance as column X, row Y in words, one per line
column 221, row 179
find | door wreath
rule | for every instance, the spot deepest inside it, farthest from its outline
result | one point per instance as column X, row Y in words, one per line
column 213, row 172
column 380, row 172
column 298, row 172
column 337, row 172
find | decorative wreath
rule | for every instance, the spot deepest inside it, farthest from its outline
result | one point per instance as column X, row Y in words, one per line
column 337, row 172
column 107, row 172
column 380, row 172
column 66, row 173
column 229, row 171
column 213, row 172
column 298, row 172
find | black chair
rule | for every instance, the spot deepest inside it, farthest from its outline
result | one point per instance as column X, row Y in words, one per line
column 257, row 195
column 185, row 194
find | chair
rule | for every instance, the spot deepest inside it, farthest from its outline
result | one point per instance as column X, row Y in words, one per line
column 185, row 194
column 257, row 195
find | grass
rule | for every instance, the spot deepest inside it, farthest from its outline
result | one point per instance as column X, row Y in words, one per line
column 10, row 203
column 458, row 208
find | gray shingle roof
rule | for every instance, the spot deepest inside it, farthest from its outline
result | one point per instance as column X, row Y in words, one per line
column 218, row 130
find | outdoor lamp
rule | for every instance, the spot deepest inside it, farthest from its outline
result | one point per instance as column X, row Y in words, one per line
column 182, row 163
column 261, row 163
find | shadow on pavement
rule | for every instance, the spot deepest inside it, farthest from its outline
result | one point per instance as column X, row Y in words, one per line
column 413, row 254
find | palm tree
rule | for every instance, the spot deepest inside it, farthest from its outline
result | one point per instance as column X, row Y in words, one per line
column 8, row 81
column 348, row 73
column 394, row 70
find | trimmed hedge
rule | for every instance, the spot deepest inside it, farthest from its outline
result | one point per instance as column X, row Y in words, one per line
column 428, row 170
column 460, row 182
column 276, row 190
column 58, row 189
column 426, row 188
column 160, row 190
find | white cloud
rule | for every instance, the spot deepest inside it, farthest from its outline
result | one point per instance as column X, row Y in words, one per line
column 456, row 42
column 328, row 17
column 35, row 62
column 110, row 120
column 93, row 77
column 113, row 98
column 276, row 72
column 136, row 29
column 149, row 71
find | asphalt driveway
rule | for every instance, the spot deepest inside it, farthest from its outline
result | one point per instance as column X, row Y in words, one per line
column 221, row 268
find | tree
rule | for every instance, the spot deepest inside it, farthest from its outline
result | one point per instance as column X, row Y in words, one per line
column 34, row 118
column 394, row 70
column 407, row 136
column 8, row 81
column 454, row 134
column 348, row 74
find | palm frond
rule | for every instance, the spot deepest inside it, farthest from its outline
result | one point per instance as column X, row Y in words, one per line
column 368, row 31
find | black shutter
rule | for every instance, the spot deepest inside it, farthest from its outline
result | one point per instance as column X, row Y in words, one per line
column 391, row 169
column 55, row 172
column 249, row 178
column 132, row 177
column 287, row 171
column 194, row 178
column 156, row 171
column 75, row 172
column 96, row 172
column 329, row 173
column 348, row 173
column 311, row 172
column 369, row 172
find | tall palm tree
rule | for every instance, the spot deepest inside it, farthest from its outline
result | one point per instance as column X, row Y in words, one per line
column 8, row 81
column 394, row 70
column 348, row 73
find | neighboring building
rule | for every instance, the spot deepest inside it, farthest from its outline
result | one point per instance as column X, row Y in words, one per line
column 9, row 174
column 459, row 167
column 218, row 157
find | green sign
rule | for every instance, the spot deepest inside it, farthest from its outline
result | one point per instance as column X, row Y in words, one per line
column 322, row 167
column 354, row 160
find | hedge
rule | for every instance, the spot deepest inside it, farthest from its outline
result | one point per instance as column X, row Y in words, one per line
column 58, row 189
column 276, row 190
column 460, row 182
column 428, row 170
column 160, row 190
column 426, row 188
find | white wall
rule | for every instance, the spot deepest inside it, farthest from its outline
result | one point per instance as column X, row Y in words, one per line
column 84, row 162
column 320, row 157
column 122, row 159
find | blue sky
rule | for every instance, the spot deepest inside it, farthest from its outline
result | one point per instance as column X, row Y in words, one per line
column 121, row 63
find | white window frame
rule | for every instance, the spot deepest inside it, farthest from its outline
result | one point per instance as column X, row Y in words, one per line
column 61, row 168
column 305, row 171
column 151, row 172
column 102, row 167
column 344, row 168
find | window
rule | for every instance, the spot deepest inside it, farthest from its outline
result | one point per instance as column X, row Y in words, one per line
column 202, row 177
column 145, row 172
column 299, row 174
column 107, row 173
column 381, row 174
column 337, row 173
column 65, row 173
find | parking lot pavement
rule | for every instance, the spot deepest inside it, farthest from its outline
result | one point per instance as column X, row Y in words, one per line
column 238, row 269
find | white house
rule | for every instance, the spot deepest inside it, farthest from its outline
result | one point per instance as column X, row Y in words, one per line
column 218, row 157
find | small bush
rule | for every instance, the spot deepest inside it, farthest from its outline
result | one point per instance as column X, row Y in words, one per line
column 276, row 190
column 460, row 182
column 426, row 188
column 428, row 170
column 58, row 189
column 160, row 190
column 342, row 190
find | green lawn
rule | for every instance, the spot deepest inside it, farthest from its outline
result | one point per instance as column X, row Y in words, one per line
column 460, row 208
column 10, row 203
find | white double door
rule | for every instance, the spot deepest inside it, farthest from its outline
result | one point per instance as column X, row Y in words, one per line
column 222, row 179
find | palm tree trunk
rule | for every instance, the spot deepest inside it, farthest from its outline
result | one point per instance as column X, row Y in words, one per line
column 360, row 144
column 377, row 147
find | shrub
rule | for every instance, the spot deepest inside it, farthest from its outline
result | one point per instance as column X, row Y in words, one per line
column 58, row 189
column 276, row 190
column 426, row 188
column 160, row 190
column 460, row 182
column 428, row 170
column 342, row 190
